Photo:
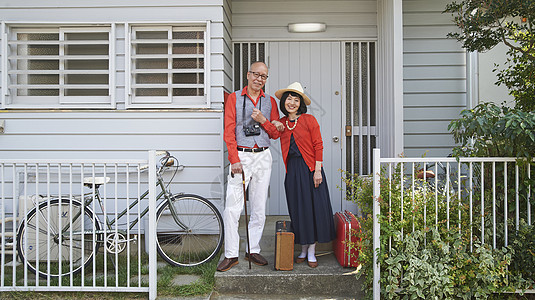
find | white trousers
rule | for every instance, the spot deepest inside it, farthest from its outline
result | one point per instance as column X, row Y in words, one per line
column 257, row 170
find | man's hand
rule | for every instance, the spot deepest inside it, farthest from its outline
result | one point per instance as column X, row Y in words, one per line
column 236, row 168
column 258, row 116
column 278, row 125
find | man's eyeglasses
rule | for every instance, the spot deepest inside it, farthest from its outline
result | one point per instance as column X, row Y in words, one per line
column 256, row 75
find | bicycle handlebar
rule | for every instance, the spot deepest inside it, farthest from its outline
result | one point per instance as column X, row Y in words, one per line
column 161, row 152
column 166, row 161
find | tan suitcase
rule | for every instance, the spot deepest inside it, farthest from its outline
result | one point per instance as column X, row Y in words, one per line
column 284, row 246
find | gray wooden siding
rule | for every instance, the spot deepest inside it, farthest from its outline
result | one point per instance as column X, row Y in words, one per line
column 226, row 67
column 268, row 20
column 434, row 83
column 195, row 138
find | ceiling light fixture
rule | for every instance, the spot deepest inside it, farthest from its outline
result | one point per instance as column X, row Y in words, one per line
column 307, row 27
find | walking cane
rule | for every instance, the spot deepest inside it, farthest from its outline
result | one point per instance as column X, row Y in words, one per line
column 246, row 222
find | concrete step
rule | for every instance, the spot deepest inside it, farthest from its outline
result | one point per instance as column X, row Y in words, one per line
column 329, row 279
column 267, row 243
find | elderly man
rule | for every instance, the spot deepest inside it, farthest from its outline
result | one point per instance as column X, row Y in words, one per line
column 247, row 135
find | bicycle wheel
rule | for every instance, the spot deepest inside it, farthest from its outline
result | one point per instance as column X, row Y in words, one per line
column 197, row 236
column 38, row 238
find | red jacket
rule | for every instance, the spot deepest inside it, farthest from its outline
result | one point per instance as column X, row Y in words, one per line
column 307, row 136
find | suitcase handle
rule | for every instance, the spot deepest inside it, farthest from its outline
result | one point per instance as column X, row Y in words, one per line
column 284, row 225
column 347, row 216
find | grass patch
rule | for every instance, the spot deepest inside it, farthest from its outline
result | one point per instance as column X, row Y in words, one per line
column 200, row 287
column 71, row 295
column 166, row 274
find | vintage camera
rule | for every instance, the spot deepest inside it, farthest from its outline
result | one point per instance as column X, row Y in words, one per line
column 252, row 130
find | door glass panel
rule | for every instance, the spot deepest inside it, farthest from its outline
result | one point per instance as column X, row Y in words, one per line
column 349, row 89
column 244, row 55
column 364, row 82
column 371, row 80
column 355, row 83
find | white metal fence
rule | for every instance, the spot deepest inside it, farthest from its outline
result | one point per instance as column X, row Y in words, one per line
column 55, row 236
column 485, row 198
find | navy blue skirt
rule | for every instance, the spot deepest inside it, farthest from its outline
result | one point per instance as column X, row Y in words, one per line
column 309, row 207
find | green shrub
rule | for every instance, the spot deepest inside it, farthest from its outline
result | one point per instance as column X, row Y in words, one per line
column 489, row 130
column 441, row 266
column 523, row 244
column 426, row 257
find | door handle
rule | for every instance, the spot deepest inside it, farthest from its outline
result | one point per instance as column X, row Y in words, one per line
column 336, row 139
column 349, row 130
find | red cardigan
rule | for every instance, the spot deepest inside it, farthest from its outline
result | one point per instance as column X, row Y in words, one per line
column 307, row 136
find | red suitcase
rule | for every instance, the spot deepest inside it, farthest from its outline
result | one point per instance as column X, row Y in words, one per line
column 347, row 226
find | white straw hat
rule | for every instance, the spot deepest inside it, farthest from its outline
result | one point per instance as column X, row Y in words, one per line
column 296, row 88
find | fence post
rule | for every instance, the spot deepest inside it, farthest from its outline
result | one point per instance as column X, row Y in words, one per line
column 153, row 293
column 376, row 226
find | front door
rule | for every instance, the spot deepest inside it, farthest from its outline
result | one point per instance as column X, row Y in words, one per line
column 317, row 66
column 339, row 78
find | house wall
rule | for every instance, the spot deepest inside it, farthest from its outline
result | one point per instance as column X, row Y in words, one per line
column 194, row 136
column 488, row 91
column 434, row 70
column 226, row 66
column 434, row 78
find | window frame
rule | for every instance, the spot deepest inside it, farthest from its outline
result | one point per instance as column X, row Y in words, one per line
column 169, row 101
column 10, row 41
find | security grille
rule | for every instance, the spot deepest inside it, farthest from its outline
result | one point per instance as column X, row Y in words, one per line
column 360, row 106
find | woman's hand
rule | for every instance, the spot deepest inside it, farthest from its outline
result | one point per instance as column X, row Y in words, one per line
column 318, row 179
column 278, row 125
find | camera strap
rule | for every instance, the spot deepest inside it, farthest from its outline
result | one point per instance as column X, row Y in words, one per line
column 243, row 110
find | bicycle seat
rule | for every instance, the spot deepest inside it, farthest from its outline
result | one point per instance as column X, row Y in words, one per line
column 428, row 174
column 89, row 181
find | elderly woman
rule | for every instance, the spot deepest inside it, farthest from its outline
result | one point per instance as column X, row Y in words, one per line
column 307, row 193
